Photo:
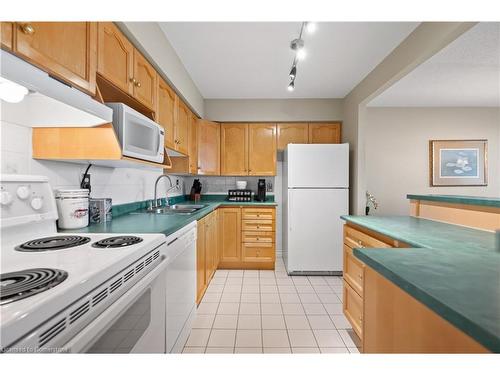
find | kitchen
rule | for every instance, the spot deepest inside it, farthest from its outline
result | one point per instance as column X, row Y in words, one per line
column 150, row 207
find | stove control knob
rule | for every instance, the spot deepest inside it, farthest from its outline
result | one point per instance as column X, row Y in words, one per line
column 5, row 198
column 23, row 192
column 36, row 203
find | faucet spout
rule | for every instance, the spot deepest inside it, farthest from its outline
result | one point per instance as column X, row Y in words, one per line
column 155, row 202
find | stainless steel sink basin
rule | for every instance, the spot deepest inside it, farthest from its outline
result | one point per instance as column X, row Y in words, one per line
column 185, row 209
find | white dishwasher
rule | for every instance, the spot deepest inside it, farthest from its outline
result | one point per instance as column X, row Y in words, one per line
column 180, row 287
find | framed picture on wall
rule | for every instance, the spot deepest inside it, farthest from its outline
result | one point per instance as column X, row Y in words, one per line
column 458, row 162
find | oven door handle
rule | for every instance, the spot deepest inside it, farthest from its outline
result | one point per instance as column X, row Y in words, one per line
column 90, row 333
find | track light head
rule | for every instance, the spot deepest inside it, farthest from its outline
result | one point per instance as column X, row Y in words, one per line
column 297, row 44
column 293, row 72
column 291, row 85
column 310, row 27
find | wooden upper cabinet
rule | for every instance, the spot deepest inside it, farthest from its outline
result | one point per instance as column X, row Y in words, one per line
column 230, row 234
column 182, row 118
column 165, row 111
column 193, row 144
column 6, row 31
column 67, row 50
column 324, row 133
column 208, row 148
column 234, row 149
column 115, row 57
column 262, row 150
column 144, row 80
column 292, row 133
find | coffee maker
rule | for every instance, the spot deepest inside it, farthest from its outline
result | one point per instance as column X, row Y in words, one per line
column 261, row 190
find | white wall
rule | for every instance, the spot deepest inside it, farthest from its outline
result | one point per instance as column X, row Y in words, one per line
column 123, row 185
column 273, row 109
column 397, row 151
column 152, row 42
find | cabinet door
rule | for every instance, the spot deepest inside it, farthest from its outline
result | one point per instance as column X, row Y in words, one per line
column 165, row 111
column 115, row 57
column 65, row 49
column 262, row 149
column 208, row 148
column 145, row 81
column 200, row 261
column 182, row 116
column 230, row 234
column 234, row 150
column 292, row 133
column 6, row 32
column 324, row 133
column 193, row 144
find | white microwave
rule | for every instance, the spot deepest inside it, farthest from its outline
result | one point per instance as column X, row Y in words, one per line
column 140, row 137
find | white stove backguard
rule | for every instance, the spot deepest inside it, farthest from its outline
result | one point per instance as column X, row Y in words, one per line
column 27, row 208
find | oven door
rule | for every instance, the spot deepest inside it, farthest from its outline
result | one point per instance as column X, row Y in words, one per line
column 142, row 137
column 135, row 323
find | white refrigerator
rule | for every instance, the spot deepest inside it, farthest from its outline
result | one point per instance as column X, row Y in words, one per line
column 315, row 195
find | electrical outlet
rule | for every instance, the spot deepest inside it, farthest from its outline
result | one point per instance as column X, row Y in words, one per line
column 86, row 182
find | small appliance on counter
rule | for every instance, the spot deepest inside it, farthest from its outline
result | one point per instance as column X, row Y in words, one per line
column 239, row 195
column 261, row 190
column 100, row 210
column 195, row 194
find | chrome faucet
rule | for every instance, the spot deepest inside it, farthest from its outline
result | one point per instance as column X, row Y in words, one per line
column 155, row 202
column 370, row 199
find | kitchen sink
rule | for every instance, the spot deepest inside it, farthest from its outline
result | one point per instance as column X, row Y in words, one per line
column 185, row 209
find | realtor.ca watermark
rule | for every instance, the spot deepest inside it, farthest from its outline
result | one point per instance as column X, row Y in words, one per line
column 31, row 350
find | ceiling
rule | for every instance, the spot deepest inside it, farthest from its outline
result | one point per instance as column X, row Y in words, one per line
column 251, row 60
column 466, row 73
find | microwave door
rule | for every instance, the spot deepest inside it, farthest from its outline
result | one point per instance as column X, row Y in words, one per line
column 141, row 138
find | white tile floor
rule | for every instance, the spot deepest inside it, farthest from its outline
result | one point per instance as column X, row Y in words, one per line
column 271, row 312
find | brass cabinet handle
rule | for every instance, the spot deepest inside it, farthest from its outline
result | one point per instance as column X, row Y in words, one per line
column 360, row 243
column 360, row 277
column 137, row 84
column 27, row 28
column 133, row 80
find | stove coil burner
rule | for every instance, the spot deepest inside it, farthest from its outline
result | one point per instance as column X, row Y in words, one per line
column 118, row 241
column 52, row 243
column 26, row 283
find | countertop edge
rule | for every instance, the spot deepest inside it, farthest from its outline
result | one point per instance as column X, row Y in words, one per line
column 485, row 338
column 385, row 232
column 472, row 201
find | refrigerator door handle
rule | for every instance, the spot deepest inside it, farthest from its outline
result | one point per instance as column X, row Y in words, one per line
column 290, row 210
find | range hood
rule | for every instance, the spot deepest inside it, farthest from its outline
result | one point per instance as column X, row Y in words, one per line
column 48, row 102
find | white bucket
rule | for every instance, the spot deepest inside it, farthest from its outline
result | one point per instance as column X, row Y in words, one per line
column 73, row 208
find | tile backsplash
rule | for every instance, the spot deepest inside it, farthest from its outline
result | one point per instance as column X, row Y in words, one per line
column 221, row 184
column 123, row 185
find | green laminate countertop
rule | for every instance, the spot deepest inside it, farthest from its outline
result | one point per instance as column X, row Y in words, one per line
column 459, row 199
column 453, row 270
column 419, row 232
column 127, row 220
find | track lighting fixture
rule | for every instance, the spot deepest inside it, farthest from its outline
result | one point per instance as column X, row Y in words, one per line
column 297, row 45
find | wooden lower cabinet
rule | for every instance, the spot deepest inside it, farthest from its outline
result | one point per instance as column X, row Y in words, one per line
column 206, row 252
column 245, row 240
column 354, row 271
column 395, row 322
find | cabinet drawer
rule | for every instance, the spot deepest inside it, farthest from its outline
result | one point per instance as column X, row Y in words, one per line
column 260, row 237
column 256, row 252
column 354, row 270
column 258, row 225
column 258, row 213
column 354, row 238
column 353, row 309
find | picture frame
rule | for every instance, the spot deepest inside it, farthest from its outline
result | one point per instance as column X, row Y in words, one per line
column 458, row 162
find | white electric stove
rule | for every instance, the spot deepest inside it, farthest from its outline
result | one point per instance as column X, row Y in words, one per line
column 75, row 292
